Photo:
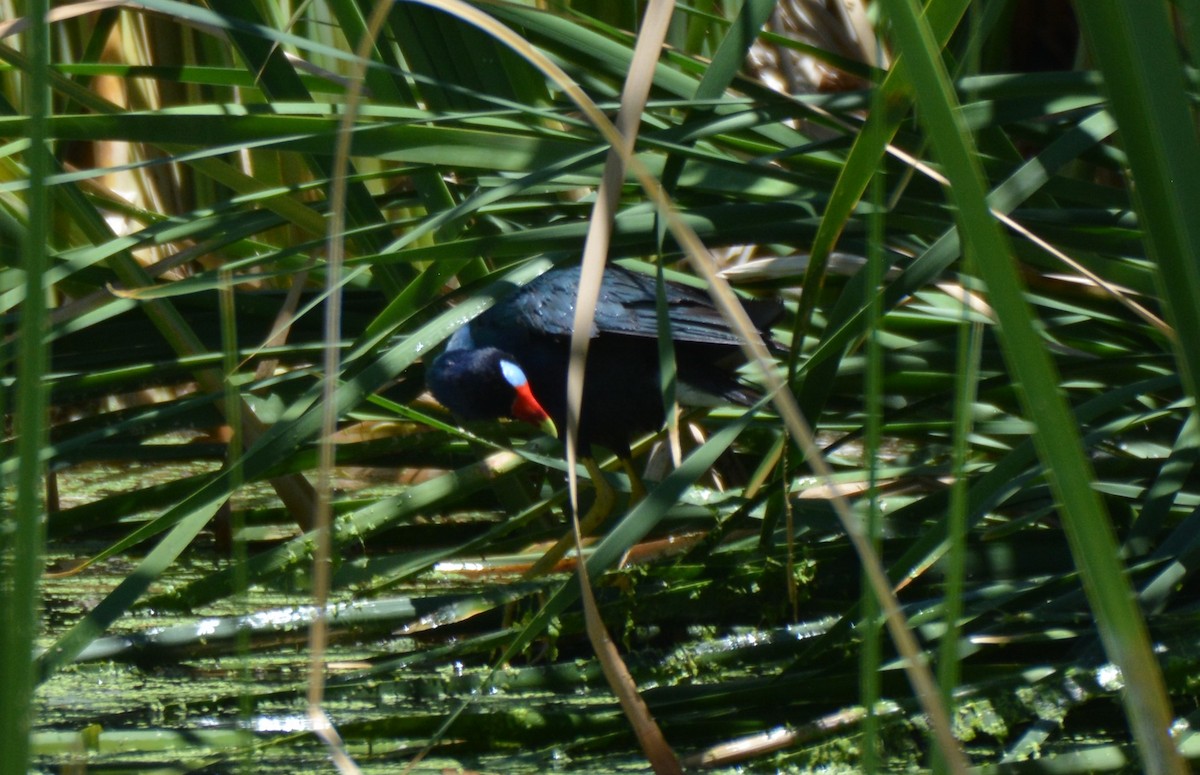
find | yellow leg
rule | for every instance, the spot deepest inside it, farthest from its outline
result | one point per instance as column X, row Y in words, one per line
column 606, row 499
column 602, row 507
column 637, row 490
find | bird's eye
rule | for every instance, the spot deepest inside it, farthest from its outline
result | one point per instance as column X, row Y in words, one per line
column 513, row 374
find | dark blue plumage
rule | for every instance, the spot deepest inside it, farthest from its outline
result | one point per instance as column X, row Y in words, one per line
column 622, row 399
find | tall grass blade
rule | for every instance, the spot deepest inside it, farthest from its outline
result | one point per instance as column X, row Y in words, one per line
column 1085, row 520
column 870, row 145
column 1151, row 105
column 22, row 531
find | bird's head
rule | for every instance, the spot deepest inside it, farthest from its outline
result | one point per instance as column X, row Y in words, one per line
column 483, row 384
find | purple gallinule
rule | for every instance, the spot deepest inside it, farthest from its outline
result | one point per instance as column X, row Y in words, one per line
column 511, row 361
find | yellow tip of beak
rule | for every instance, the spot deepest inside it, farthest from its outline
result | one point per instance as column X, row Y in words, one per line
column 547, row 427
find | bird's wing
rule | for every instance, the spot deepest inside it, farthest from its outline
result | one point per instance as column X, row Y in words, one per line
column 627, row 307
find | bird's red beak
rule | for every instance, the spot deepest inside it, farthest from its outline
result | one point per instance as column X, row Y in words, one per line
column 527, row 409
